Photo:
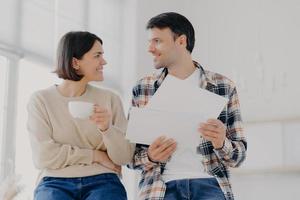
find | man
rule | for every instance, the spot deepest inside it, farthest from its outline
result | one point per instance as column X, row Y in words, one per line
column 222, row 144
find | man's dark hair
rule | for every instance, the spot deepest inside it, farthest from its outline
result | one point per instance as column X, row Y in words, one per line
column 73, row 45
column 178, row 24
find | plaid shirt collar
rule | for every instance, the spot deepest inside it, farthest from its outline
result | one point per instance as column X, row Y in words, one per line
column 204, row 79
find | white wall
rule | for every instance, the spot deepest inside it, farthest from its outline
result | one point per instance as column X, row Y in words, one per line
column 271, row 170
column 266, row 186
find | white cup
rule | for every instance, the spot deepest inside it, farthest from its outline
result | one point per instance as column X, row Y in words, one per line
column 80, row 109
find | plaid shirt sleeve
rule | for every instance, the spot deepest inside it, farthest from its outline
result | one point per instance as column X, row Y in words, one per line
column 141, row 160
column 233, row 152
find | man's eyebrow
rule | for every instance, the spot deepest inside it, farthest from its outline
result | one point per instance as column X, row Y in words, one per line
column 99, row 52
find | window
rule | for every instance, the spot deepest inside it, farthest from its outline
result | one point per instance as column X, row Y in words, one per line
column 32, row 77
column 3, row 77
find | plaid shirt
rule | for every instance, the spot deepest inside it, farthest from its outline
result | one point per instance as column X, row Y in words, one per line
column 215, row 161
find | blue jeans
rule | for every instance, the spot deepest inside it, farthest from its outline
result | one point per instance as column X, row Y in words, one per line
column 104, row 186
column 194, row 189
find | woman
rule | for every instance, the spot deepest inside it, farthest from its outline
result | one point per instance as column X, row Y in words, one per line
column 78, row 158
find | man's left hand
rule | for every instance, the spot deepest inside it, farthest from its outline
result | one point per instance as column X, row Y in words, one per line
column 215, row 131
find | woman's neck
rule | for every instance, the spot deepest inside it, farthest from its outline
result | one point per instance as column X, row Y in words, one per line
column 70, row 88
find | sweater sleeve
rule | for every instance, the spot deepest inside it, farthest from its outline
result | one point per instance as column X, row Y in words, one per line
column 47, row 153
column 119, row 149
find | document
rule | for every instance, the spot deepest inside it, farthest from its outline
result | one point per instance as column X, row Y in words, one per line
column 175, row 110
column 145, row 125
column 176, row 95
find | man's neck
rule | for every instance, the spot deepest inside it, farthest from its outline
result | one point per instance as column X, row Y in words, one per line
column 182, row 69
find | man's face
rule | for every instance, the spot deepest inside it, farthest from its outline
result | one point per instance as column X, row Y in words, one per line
column 163, row 47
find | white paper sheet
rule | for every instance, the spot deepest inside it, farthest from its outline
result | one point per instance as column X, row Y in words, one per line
column 145, row 125
column 175, row 95
column 175, row 110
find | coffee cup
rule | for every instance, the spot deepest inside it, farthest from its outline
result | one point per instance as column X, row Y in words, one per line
column 81, row 109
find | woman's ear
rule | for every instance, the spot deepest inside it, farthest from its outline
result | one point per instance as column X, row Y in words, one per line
column 75, row 64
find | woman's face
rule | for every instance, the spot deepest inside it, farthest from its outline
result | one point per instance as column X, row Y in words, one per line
column 91, row 64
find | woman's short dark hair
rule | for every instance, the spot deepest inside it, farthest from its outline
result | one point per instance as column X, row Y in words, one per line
column 73, row 45
column 178, row 24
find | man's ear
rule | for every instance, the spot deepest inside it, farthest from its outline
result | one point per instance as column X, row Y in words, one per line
column 75, row 63
column 182, row 40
